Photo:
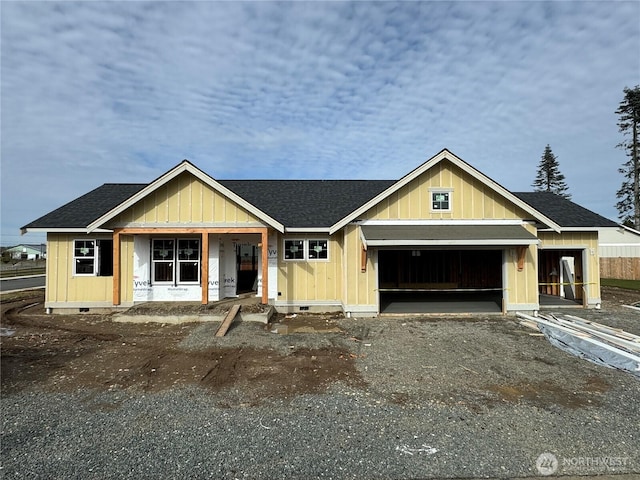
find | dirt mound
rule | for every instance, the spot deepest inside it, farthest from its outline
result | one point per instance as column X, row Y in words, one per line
column 70, row 352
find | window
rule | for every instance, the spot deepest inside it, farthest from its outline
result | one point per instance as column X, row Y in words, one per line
column 441, row 201
column 189, row 261
column 306, row 249
column 318, row 250
column 163, row 252
column 166, row 251
column 294, row 249
column 84, row 257
column 93, row 257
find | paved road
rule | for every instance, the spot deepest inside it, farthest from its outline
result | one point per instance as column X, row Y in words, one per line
column 21, row 283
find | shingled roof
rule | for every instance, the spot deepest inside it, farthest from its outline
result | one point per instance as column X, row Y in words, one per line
column 307, row 203
column 562, row 211
column 83, row 210
column 298, row 203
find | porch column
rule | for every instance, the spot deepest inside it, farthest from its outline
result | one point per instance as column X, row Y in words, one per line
column 116, row 267
column 265, row 266
column 204, row 264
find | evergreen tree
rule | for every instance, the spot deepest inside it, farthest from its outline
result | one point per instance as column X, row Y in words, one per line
column 629, row 123
column 549, row 178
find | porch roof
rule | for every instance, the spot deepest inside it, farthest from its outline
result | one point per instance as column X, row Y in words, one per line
column 446, row 235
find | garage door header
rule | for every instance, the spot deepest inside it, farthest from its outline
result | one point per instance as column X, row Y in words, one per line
column 443, row 235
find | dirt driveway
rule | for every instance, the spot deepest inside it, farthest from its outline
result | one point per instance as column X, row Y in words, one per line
column 495, row 383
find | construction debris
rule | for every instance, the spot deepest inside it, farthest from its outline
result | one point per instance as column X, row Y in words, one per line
column 226, row 323
column 600, row 344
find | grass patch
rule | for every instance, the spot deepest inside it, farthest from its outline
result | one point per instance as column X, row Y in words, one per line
column 614, row 282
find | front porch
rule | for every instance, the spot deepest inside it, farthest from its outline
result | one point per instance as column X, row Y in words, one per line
column 172, row 262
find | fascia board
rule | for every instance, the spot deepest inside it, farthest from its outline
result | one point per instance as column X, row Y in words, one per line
column 465, row 243
column 571, row 229
column 430, row 222
column 64, row 230
column 446, row 155
column 306, row 230
column 185, row 166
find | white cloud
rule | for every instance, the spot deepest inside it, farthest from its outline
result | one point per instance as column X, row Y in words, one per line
column 120, row 92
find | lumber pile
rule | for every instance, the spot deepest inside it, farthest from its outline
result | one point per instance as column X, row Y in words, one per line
column 598, row 343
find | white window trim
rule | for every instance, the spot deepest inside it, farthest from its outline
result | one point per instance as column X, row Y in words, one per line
column 305, row 249
column 432, row 191
column 178, row 262
column 95, row 258
column 154, row 261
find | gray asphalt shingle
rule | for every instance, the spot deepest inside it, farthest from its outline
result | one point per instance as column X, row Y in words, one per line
column 300, row 203
column 562, row 211
column 83, row 210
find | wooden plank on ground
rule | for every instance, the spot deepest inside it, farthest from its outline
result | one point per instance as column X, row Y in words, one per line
column 226, row 323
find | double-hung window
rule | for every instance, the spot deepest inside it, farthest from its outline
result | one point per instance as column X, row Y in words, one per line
column 84, row 257
column 163, row 260
column 301, row 249
column 189, row 261
column 93, row 257
column 176, row 261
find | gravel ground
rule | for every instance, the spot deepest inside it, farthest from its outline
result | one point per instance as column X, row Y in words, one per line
column 437, row 398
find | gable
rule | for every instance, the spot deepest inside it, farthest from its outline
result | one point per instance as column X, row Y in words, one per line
column 184, row 199
column 490, row 190
column 469, row 198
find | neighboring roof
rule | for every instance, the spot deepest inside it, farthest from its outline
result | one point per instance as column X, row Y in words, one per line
column 83, row 210
column 307, row 203
column 442, row 235
column 38, row 247
column 564, row 212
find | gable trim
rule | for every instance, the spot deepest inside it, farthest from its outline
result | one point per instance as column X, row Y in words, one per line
column 184, row 166
column 64, row 230
column 464, row 166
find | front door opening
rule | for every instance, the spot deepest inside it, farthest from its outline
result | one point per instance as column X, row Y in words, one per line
column 247, row 264
column 440, row 281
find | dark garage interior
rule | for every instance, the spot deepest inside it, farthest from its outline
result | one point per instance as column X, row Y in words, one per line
column 440, row 281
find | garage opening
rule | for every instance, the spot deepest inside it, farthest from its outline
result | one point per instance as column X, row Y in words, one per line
column 440, row 281
column 560, row 274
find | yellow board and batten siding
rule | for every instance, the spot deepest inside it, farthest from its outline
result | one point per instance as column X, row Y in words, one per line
column 184, row 200
column 63, row 286
column 302, row 281
column 470, row 200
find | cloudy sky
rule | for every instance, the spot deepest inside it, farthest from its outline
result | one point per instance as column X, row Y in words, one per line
column 96, row 92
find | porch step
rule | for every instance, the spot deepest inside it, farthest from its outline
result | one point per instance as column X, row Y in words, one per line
column 228, row 320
